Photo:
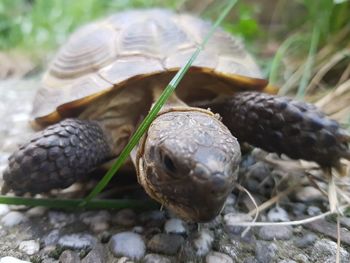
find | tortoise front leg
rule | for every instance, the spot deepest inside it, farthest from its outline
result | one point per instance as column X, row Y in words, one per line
column 282, row 125
column 57, row 157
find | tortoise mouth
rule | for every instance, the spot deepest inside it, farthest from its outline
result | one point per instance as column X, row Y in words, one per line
column 197, row 212
column 194, row 201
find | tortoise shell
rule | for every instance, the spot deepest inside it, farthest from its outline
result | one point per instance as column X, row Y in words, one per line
column 136, row 45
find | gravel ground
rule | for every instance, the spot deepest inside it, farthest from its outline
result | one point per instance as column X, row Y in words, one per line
column 42, row 235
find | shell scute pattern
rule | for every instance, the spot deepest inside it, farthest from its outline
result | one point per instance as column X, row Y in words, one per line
column 123, row 69
column 153, row 37
column 137, row 43
column 89, row 49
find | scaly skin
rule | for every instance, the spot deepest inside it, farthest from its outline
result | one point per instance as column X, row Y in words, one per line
column 282, row 125
column 188, row 161
column 57, row 157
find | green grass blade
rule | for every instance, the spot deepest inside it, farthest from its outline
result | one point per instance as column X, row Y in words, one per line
column 277, row 60
column 154, row 111
column 75, row 203
column 315, row 38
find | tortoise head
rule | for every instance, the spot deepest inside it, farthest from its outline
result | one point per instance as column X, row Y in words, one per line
column 189, row 163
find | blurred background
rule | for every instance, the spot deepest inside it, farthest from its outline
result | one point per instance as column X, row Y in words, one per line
column 303, row 46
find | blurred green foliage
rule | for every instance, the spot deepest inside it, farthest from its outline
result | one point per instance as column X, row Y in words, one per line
column 329, row 16
column 46, row 23
column 247, row 25
column 36, row 26
column 319, row 24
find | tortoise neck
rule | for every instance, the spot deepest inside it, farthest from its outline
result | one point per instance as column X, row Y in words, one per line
column 173, row 101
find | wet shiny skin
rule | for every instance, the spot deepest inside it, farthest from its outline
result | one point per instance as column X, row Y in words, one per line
column 189, row 163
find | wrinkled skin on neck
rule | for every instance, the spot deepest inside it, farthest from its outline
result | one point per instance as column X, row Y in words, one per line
column 189, row 163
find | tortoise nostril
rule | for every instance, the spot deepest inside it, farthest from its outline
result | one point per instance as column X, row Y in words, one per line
column 169, row 164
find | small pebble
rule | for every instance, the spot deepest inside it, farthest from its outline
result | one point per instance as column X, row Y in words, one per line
column 298, row 209
column 175, row 226
column 125, row 217
column 4, row 209
column 97, row 255
column 217, row 257
column 138, row 229
column 203, row 242
column 313, row 211
column 277, row 214
column 51, row 238
column 12, row 260
column 128, row 244
column 345, row 221
column 168, row 244
column 229, row 247
column 265, row 252
column 97, row 221
column 36, row 211
column 77, row 241
column 30, row 247
column 153, row 218
column 60, row 219
column 275, row 232
column 306, row 240
column 287, row 261
column 308, row 194
column 325, row 251
column 155, row 258
column 13, row 218
column 69, row 256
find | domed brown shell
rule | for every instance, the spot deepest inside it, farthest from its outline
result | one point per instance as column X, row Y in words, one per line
column 107, row 54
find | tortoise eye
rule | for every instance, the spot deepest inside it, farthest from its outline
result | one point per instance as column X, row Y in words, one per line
column 169, row 164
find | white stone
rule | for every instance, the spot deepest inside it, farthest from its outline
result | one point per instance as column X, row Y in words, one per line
column 77, row 241
column 128, row 244
column 36, row 211
column 93, row 217
column 327, row 249
column 12, row 260
column 175, row 226
column 216, row 257
column 60, row 219
column 30, row 247
column 277, row 214
column 203, row 242
column 4, row 209
column 308, row 194
column 124, row 260
column 13, row 218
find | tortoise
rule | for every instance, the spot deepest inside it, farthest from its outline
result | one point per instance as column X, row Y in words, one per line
column 107, row 76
